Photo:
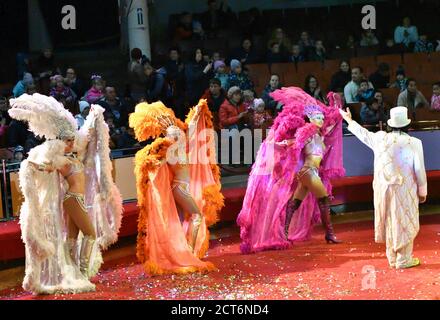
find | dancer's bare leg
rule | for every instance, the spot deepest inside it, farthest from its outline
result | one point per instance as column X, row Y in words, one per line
column 79, row 217
column 187, row 204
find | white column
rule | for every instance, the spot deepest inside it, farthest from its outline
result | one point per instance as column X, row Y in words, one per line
column 138, row 28
column 39, row 38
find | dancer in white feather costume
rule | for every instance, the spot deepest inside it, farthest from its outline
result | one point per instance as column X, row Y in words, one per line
column 72, row 208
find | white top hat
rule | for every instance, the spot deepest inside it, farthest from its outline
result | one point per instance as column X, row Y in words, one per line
column 399, row 117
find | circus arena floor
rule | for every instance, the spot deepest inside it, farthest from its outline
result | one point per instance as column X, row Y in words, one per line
column 356, row 269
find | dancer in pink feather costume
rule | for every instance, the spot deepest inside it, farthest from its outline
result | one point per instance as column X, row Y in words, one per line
column 289, row 187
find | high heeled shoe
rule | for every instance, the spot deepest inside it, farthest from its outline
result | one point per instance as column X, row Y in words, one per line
column 324, row 208
column 292, row 206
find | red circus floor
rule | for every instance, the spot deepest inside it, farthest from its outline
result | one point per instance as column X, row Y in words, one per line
column 310, row 270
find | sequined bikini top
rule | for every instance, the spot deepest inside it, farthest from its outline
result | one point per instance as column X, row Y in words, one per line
column 76, row 165
column 315, row 146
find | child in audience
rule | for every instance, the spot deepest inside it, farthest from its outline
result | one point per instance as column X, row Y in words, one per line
column 401, row 80
column 221, row 74
column 58, row 89
column 365, row 93
column 248, row 99
column 435, row 99
column 96, row 92
column 261, row 118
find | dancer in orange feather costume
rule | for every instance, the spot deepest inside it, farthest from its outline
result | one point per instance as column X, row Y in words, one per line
column 178, row 186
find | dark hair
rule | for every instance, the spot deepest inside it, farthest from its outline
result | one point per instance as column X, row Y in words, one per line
column 215, row 81
column 358, row 67
column 371, row 101
column 411, row 79
column 307, row 81
column 363, row 80
column 403, row 129
column 436, row 84
column 275, row 74
column 342, row 61
column 174, row 49
column 136, row 53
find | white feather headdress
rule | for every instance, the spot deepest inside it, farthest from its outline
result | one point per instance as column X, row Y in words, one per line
column 46, row 116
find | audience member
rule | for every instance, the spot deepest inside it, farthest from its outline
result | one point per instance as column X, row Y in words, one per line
column 274, row 55
column 197, row 75
column 306, row 44
column 274, row 84
column 401, row 82
column 423, row 45
column 261, row 119
column 406, row 34
column 340, row 79
column 114, row 106
column 381, row 78
column 157, row 88
column 412, row 98
column 278, row 36
column 84, row 109
column 311, row 86
column 74, row 82
column 58, row 88
column 372, row 113
column 216, row 18
column 232, row 110
column 391, row 48
column 96, row 92
column 296, row 55
column 248, row 99
column 221, row 73
column 318, row 53
column 215, row 95
column 20, row 87
column 365, row 93
column 368, row 39
column 31, row 89
column 136, row 75
column 351, row 89
column 435, row 99
column 246, row 53
column 45, row 67
column 238, row 78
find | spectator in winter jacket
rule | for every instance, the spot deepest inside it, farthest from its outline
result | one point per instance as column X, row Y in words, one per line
column 274, row 84
column 197, row 75
column 232, row 110
column 238, row 78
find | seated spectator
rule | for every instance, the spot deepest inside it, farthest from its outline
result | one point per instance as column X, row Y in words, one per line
column 74, row 82
column 318, row 53
column 31, row 89
column 114, row 106
column 341, row 78
column 278, row 36
column 365, row 94
column 261, row 119
column 381, row 78
column 221, row 74
column 20, row 87
column 216, row 56
column 248, row 99
column 44, row 68
column 136, row 75
column 401, row 80
column 351, row 42
column 274, row 84
column 84, row 109
column 96, row 92
column 157, row 88
column 58, row 88
column 197, row 75
column 406, row 34
column 215, row 95
column 246, row 53
column 378, row 95
column 274, row 55
column 216, row 18
column 306, row 44
column 311, row 86
column 368, row 39
column 412, row 98
column 423, row 45
column 296, row 55
column 391, row 48
column 184, row 29
column 238, row 78
column 371, row 113
column 231, row 111
column 351, row 89
column 113, row 132
column 435, row 99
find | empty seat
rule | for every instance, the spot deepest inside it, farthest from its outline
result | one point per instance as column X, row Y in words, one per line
column 367, row 51
column 259, row 74
column 368, row 64
column 390, row 95
column 311, row 67
column 282, row 69
column 413, row 61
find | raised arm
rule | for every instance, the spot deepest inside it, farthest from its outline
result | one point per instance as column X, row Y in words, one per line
column 360, row 132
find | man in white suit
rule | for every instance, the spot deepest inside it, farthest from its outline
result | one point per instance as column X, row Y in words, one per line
column 399, row 185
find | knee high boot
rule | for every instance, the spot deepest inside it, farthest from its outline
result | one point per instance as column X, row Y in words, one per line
column 86, row 251
column 324, row 208
column 291, row 207
column 70, row 250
